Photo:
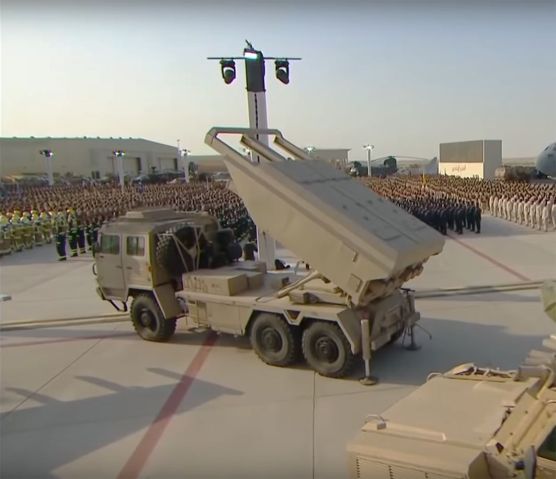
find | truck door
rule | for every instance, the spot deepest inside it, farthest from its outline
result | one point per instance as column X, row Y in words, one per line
column 109, row 267
column 135, row 264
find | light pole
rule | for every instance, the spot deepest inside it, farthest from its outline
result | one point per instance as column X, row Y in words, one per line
column 256, row 101
column 119, row 154
column 310, row 149
column 184, row 154
column 48, row 155
column 369, row 148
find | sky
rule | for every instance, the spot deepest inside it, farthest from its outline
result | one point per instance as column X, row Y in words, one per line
column 402, row 75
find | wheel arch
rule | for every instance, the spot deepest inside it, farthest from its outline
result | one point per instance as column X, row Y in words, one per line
column 164, row 297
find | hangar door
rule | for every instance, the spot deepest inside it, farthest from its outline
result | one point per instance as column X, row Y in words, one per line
column 165, row 164
column 132, row 165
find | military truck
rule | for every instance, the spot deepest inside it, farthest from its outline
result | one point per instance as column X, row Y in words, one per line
column 468, row 423
column 361, row 247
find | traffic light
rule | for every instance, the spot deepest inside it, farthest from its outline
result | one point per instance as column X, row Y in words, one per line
column 228, row 70
column 282, row 71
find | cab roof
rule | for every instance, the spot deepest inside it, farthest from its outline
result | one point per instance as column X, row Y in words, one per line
column 146, row 220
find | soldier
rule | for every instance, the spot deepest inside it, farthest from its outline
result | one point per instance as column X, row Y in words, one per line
column 17, row 232
column 27, row 230
column 81, row 232
column 60, row 230
column 459, row 219
column 538, row 214
column 470, row 212
column 46, row 222
column 545, row 216
column 520, row 211
column 88, row 222
column 5, row 235
column 549, row 205
column 477, row 213
column 37, row 228
column 72, row 232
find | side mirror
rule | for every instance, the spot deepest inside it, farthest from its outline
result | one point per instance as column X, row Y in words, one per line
column 548, row 292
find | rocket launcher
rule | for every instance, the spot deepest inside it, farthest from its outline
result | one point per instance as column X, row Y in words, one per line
column 361, row 242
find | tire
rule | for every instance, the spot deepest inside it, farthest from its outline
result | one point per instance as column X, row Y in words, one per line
column 327, row 350
column 273, row 340
column 167, row 254
column 148, row 320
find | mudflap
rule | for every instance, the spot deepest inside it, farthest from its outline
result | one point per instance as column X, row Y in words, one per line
column 350, row 325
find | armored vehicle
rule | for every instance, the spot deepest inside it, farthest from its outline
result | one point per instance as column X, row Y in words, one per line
column 362, row 249
column 468, row 423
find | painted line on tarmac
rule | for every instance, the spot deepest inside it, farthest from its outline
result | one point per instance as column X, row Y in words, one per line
column 54, row 323
column 490, row 259
column 484, row 289
column 65, row 340
column 139, row 457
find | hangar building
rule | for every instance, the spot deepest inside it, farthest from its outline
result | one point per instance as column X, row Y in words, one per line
column 469, row 159
column 92, row 157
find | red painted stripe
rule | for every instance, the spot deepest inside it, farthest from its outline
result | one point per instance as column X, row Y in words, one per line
column 134, row 465
column 64, row 340
column 490, row 259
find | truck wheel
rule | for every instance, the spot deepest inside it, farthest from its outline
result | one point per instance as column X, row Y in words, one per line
column 273, row 340
column 148, row 320
column 327, row 350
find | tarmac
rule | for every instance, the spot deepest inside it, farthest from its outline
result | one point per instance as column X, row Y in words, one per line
column 81, row 396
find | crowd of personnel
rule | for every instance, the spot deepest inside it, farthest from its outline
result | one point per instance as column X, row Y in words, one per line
column 535, row 211
column 450, row 202
column 73, row 215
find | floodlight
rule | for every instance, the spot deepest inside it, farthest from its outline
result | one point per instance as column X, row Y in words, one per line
column 228, row 70
column 282, row 71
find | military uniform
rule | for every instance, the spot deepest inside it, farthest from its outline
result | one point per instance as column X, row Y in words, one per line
column 27, row 230
column 81, row 234
column 38, row 235
column 5, row 235
column 73, row 232
column 17, row 232
column 61, row 229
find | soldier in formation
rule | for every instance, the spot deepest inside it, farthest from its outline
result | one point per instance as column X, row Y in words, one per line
column 535, row 210
column 74, row 215
column 531, row 204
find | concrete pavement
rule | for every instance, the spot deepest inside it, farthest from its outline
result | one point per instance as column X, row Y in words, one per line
column 95, row 401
